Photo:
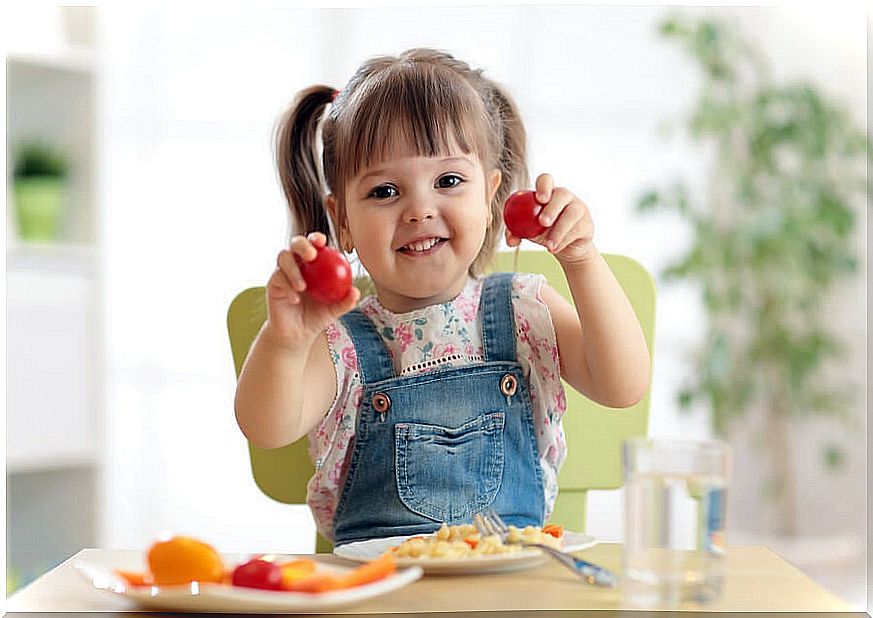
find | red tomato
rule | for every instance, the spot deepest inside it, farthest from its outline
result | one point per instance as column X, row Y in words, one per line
column 257, row 573
column 520, row 214
column 328, row 277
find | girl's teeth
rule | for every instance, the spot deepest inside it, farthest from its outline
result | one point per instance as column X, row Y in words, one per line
column 422, row 246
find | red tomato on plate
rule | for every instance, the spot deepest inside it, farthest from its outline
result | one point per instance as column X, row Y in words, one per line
column 520, row 214
column 328, row 277
column 258, row 573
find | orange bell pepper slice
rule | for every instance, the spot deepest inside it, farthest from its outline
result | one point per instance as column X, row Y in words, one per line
column 554, row 529
column 134, row 578
column 296, row 570
column 374, row 570
column 320, row 582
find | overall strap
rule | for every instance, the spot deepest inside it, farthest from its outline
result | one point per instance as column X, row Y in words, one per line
column 374, row 360
column 498, row 318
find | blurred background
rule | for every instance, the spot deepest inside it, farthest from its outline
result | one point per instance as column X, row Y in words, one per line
column 723, row 148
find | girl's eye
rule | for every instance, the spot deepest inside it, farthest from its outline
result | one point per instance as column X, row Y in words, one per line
column 448, row 181
column 383, row 192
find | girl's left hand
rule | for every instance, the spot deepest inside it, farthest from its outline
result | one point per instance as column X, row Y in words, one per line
column 569, row 231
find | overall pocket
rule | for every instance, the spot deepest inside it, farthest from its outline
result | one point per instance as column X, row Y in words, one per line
column 449, row 474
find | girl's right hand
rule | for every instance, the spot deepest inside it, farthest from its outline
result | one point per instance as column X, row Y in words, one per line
column 294, row 318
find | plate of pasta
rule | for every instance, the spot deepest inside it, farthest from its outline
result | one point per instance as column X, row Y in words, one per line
column 461, row 549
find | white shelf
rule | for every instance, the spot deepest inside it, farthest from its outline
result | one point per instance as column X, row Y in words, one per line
column 76, row 59
column 54, row 345
column 60, row 258
column 26, row 464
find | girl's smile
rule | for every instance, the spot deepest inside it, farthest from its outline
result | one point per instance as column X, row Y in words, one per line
column 423, row 247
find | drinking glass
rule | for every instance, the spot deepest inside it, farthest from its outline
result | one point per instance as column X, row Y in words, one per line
column 674, row 521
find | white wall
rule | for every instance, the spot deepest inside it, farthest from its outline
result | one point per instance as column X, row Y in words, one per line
column 194, row 213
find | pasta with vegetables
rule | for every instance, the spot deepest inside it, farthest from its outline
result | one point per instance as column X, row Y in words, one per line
column 465, row 541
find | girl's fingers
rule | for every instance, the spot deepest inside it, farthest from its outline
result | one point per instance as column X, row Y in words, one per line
column 581, row 232
column 317, row 238
column 544, row 186
column 279, row 287
column 286, row 263
column 551, row 212
column 349, row 302
column 566, row 228
column 303, row 247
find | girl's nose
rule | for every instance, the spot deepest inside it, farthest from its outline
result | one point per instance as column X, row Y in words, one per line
column 419, row 211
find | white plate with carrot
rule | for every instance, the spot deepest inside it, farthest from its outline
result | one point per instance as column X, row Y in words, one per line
column 186, row 575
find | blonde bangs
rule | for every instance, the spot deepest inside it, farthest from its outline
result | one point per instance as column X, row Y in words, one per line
column 415, row 109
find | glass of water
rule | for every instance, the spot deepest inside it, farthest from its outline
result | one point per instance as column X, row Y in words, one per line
column 674, row 521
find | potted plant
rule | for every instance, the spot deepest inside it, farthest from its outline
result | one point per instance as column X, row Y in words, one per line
column 40, row 180
column 772, row 236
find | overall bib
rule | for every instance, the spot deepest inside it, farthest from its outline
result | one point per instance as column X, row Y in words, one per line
column 438, row 447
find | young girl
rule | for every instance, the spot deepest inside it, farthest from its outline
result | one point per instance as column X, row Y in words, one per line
column 440, row 395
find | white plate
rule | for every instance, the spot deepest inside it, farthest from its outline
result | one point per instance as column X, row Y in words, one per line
column 222, row 598
column 363, row 551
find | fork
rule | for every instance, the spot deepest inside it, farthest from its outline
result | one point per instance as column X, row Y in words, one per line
column 490, row 523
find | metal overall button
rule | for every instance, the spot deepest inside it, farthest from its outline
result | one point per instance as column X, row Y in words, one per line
column 508, row 384
column 381, row 402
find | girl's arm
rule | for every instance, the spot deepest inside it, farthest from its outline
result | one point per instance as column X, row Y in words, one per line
column 602, row 348
column 283, row 393
column 603, row 352
column 288, row 381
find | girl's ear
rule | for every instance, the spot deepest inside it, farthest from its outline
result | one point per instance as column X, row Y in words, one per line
column 331, row 205
column 339, row 223
column 494, row 183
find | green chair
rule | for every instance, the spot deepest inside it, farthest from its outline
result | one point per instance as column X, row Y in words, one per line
column 594, row 432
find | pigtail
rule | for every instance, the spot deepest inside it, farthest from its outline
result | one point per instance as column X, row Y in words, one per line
column 297, row 160
column 512, row 154
column 510, row 158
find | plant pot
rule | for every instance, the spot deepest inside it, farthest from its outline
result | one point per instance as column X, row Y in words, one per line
column 38, row 207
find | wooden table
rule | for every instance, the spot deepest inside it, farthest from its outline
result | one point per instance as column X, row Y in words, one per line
column 756, row 580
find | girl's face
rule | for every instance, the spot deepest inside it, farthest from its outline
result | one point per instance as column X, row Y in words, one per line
column 418, row 223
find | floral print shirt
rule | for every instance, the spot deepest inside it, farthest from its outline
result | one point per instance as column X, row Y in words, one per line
column 435, row 338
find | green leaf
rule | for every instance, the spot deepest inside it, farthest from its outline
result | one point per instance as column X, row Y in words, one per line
column 685, row 399
column 648, row 201
column 37, row 159
column 833, row 457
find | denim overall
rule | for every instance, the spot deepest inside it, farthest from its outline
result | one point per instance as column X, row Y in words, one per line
column 441, row 446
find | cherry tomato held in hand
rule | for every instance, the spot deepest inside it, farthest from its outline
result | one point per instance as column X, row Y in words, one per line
column 520, row 214
column 328, row 277
column 257, row 573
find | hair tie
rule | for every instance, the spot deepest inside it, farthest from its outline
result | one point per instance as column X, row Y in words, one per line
column 334, row 95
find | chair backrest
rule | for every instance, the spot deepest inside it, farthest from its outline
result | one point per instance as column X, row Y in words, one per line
column 594, row 433
column 280, row 473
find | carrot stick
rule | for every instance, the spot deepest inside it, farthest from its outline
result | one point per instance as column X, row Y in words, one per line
column 377, row 569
